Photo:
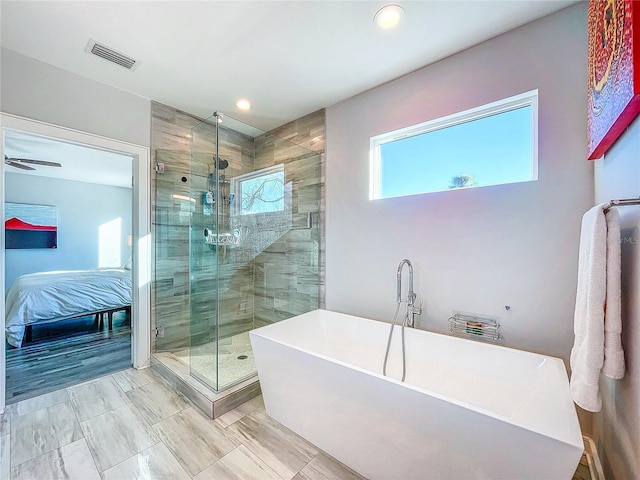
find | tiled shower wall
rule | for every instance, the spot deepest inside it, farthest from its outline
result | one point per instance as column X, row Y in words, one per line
column 289, row 274
column 287, row 278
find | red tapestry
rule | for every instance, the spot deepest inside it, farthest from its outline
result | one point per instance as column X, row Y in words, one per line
column 614, row 71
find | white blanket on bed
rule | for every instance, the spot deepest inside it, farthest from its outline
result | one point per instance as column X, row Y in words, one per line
column 50, row 296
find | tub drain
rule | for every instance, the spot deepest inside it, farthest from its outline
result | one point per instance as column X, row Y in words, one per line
column 242, row 357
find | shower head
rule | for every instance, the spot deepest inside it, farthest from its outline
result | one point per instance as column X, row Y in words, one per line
column 221, row 163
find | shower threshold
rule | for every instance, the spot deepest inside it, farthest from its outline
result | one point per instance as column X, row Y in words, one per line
column 214, row 404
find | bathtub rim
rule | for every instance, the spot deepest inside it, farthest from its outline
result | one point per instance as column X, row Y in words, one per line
column 565, row 439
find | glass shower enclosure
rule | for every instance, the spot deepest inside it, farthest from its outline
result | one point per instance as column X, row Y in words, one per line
column 247, row 206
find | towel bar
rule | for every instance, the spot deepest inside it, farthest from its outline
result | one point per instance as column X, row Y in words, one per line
column 621, row 202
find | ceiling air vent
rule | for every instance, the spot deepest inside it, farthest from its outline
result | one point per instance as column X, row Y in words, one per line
column 111, row 55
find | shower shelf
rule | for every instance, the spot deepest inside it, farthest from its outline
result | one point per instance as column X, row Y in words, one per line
column 222, row 239
column 474, row 327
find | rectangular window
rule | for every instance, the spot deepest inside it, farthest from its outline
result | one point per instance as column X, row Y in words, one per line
column 261, row 191
column 489, row 145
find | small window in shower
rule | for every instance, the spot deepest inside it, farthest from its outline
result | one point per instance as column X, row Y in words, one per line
column 261, row 191
column 490, row 145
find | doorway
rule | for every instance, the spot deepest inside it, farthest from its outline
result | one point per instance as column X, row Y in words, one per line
column 127, row 233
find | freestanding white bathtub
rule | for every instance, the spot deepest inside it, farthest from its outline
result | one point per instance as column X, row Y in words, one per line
column 467, row 410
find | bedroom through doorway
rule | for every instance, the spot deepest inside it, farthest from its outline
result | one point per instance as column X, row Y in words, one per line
column 69, row 213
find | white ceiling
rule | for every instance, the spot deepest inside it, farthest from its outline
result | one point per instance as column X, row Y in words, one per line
column 289, row 58
column 79, row 163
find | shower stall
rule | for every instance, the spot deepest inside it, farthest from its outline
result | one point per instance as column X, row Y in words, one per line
column 236, row 245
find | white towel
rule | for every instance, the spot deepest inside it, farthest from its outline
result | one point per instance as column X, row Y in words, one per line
column 597, row 346
column 613, row 366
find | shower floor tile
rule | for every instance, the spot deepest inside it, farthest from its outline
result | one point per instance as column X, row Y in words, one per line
column 235, row 360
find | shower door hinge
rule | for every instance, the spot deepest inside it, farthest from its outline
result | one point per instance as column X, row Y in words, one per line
column 159, row 167
column 160, row 332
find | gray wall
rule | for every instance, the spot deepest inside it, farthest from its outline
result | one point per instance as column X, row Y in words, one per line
column 82, row 208
column 39, row 91
column 617, row 426
column 475, row 250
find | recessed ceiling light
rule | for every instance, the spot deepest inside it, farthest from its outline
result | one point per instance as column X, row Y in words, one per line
column 388, row 16
column 243, row 104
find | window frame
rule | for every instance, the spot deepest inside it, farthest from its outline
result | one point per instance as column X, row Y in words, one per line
column 236, row 188
column 526, row 99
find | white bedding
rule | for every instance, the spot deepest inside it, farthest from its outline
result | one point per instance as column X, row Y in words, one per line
column 50, row 296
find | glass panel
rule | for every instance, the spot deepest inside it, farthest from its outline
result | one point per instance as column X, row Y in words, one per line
column 171, row 252
column 253, row 252
column 203, row 261
column 287, row 242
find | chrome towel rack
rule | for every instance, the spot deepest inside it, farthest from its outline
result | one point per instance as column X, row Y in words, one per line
column 620, row 203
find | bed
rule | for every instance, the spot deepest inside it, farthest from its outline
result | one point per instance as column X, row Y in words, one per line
column 53, row 296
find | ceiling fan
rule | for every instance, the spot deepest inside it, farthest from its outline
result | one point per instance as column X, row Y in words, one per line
column 20, row 163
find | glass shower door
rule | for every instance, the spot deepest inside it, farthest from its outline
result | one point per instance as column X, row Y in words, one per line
column 203, row 259
column 254, row 244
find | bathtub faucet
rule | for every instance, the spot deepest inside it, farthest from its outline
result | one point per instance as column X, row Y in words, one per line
column 408, row 319
column 412, row 310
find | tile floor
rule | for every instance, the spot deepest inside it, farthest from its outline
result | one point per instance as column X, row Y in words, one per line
column 129, row 425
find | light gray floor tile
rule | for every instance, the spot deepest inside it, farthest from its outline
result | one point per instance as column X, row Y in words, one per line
column 38, row 403
column 132, row 378
column 239, row 464
column 5, row 457
column 195, row 441
column 42, row 431
column 156, row 402
column 154, row 463
column 95, row 398
column 117, row 435
column 240, row 411
column 72, row 461
column 5, row 423
column 324, row 467
column 280, row 448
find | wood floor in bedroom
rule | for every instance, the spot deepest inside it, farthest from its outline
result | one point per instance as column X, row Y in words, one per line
column 66, row 353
